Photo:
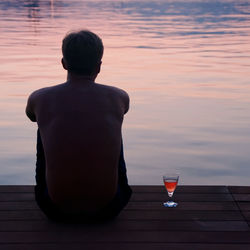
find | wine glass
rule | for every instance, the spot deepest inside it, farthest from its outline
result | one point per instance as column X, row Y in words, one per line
column 170, row 181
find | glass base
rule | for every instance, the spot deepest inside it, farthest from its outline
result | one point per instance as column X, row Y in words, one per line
column 170, row 204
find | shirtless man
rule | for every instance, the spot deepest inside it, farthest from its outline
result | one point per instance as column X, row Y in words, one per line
column 80, row 172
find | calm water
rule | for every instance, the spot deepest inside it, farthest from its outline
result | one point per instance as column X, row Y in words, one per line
column 185, row 64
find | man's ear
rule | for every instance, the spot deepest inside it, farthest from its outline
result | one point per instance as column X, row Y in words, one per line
column 64, row 64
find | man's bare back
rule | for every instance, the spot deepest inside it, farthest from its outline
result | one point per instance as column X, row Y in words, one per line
column 80, row 169
column 80, row 124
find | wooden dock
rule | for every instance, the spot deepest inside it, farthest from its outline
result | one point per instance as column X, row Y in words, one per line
column 207, row 217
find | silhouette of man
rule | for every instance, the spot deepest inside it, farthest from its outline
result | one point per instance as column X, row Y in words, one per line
column 80, row 169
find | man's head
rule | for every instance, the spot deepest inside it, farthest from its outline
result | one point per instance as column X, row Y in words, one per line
column 82, row 53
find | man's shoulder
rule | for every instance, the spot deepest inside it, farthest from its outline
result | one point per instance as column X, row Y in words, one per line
column 113, row 90
column 44, row 91
column 120, row 95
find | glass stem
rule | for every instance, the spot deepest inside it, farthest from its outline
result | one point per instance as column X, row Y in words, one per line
column 170, row 194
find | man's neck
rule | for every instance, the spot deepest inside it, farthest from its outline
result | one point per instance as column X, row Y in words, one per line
column 80, row 79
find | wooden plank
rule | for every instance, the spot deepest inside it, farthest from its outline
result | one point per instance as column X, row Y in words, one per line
column 181, row 197
column 180, row 188
column 176, row 215
column 241, row 197
column 124, row 246
column 136, row 197
column 182, row 215
column 124, row 226
column 129, row 237
column 147, row 189
column 244, row 205
column 24, row 215
column 182, row 206
column 135, row 188
column 239, row 189
column 246, row 215
column 140, row 197
column 17, row 196
column 18, row 205
column 16, row 188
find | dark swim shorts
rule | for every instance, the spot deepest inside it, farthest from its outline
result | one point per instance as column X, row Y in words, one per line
column 53, row 212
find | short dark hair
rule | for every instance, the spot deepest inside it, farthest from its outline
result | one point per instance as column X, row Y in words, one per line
column 82, row 51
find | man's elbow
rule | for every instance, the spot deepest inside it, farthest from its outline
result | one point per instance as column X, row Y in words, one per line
column 126, row 110
column 32, row 117
column 127, row 105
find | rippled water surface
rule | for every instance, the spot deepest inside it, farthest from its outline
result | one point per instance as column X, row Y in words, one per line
column 185, row 64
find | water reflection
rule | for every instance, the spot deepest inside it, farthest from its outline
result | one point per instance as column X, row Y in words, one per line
column 33, row 8
column 184, row 63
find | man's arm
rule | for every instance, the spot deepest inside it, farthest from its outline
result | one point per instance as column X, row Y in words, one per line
column 124, row 98
column 30, row 108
